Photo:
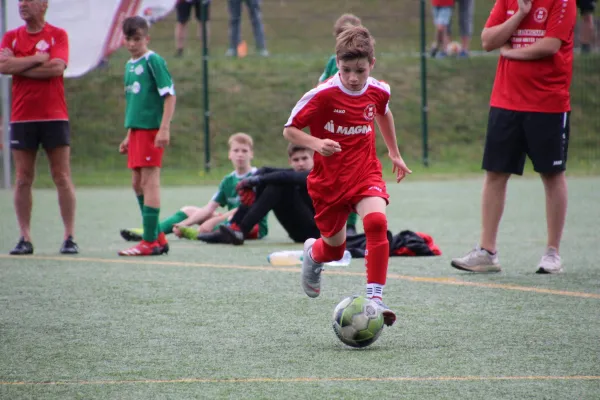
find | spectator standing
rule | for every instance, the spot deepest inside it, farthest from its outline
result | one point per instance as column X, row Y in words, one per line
column 36, row 55
column 235, row 22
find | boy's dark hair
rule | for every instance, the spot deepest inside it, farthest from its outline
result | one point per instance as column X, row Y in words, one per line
column 134, row 25
column 355, row 42
column 294, row 148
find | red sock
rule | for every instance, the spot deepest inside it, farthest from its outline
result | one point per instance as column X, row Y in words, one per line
column 322, row 252
column 378, row 247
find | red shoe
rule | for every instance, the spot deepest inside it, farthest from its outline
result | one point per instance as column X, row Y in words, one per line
column 163, row 243
column 143, row 249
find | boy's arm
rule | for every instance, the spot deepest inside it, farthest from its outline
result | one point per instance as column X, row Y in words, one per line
column 163, row 136
column 388, row 131
column 325, row 147
column 284, row 177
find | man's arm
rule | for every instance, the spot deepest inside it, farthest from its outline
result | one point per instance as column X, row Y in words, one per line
column 496, row 34
column 49, row 69
column 11, row 65
column 545, row 47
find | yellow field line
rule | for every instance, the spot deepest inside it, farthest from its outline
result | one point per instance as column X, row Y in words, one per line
column 438, row 280
column 311, row 379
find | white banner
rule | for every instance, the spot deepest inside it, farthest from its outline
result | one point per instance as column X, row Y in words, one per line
column 93, row 26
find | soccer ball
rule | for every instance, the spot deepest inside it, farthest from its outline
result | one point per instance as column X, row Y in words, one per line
column 357, row 322
column 453, row 48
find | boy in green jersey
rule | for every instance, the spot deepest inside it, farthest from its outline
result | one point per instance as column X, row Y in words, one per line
column 241, row 152
column 150, row 97
column 343, row 22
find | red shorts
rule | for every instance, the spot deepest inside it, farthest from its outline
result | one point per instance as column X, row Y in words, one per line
column 142, row 152
column 331, row 217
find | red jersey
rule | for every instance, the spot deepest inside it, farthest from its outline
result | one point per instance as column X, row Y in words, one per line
column 38, row 99
column 333, row 112
column 539, row 85
column 442, row 3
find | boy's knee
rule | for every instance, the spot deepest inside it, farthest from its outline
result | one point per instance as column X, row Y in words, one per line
column 376, row 224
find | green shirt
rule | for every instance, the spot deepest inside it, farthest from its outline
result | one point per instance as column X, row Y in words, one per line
column 147, row 81
column 227, row 196
column 330, row 69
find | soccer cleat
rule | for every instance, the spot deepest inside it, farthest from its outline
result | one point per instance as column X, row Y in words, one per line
column 389, row 317
column 235, row 236
column 163, row 243
column 550, row 263
column 215, row 237
column 69, row 246
column 185, row 232
column 132, row 235
column 143, row 249
column 477, row 260
column 22, row 248
column 311, row 271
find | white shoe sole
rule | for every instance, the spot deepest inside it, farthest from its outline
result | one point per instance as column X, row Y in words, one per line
column 476, row 268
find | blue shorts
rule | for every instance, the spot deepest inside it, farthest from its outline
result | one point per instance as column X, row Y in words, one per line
column 442, row 15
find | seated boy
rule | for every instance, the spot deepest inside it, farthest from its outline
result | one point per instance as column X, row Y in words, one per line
column 240, row 153
column 282, row 190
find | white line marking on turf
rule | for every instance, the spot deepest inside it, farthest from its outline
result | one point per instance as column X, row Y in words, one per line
column 312, row 379
column 438, row 280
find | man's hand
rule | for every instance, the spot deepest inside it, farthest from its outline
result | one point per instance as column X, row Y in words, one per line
column 505, row 50
column 525, row 6
column 400, row 168
column 6, row 53
column 328, row 147
column 162, row 137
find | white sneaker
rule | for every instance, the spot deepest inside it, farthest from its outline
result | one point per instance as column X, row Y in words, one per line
column 550, row 263
column 311, row 271
column 389, row 317
column 477, row 260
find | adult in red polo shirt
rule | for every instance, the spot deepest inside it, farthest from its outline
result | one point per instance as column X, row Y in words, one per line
column 529, row 116
column 36, row 55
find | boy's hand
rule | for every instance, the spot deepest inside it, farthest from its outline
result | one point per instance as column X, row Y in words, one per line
column 400, row 168
column 328, row 147
column 162, row 137
column 124, row 146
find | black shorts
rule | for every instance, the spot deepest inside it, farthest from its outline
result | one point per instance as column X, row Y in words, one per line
column 511, row 135
column 29, row 135
column 586, row 6
column 184, row 10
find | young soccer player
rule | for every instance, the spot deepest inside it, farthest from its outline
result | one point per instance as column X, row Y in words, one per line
column 240, row 154
column 341, row 24
column 442, row 14
column 150, row 96
column 347, row 174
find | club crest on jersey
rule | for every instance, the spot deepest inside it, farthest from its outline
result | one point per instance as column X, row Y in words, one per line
column 540, row 14
column 369, row 112
column 139, row 70
column 42, row 45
